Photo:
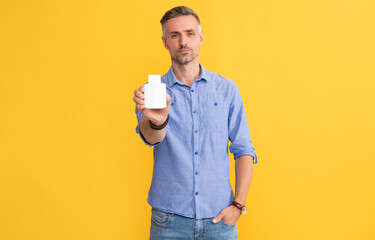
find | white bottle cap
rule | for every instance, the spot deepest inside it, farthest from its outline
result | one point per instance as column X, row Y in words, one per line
column 154, row 79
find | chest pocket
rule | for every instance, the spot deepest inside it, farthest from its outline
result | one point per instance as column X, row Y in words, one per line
column 214, row 110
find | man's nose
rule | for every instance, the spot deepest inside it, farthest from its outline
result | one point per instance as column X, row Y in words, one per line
column 183, row 40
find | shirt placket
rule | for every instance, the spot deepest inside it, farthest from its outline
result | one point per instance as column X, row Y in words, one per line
column 196, row 149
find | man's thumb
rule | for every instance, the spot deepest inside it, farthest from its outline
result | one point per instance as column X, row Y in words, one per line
column 218, row 218
column 168, row 99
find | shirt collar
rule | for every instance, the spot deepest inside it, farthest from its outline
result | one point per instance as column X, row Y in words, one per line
column 172, row 80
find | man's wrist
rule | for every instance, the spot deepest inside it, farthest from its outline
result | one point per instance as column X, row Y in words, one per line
column 159, row 126
column 240, row 206
column 240, row 201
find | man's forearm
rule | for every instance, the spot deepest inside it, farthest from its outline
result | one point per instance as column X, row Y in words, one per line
column 152, row 136
column 244, row 173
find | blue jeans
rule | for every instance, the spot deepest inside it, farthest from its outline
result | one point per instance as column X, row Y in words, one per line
column 171, row 226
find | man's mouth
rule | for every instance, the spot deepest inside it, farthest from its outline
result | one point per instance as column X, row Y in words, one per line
column 184, row 50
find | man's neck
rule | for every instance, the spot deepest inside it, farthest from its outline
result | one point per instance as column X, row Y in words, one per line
column 187, row 73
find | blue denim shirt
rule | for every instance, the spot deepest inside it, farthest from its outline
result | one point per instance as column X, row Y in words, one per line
column 191, row 164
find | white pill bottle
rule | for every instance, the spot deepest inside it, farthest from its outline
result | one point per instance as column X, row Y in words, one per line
column 155, row 93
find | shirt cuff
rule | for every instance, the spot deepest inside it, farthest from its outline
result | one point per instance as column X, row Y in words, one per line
column 253, row 154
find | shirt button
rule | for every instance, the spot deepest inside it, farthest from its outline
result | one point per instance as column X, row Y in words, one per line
column 194, row 112
column 172, row 104
column 196, row 131
column 196, row 173
column 196, row 153
column 196, row 193
column 192, row 90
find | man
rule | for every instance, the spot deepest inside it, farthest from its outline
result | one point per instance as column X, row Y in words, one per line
column 190, row 193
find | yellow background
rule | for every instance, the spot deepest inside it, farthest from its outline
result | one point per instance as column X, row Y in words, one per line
column 72, row 166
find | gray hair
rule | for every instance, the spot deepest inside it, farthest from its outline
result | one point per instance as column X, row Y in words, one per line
column 178, row 12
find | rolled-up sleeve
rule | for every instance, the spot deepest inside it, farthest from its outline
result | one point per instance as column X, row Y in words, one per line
column 140, row 117
column 239, row 132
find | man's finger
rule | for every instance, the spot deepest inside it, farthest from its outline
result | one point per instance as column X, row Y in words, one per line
column 218, row 217
column 135, row 99
column 168, row 99
column 138, row 100
column 139, row 94
column 141, row 89
column 140, row 107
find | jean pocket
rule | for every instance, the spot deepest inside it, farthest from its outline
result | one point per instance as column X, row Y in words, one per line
column 161, row 218
column 227, row 224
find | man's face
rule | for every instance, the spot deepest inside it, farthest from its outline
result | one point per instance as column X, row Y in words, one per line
column 183, row 39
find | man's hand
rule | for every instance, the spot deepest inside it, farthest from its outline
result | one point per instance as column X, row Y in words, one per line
column 156, row 116
column 229, row 215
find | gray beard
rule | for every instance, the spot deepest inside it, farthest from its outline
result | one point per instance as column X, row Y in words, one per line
column 184, row 60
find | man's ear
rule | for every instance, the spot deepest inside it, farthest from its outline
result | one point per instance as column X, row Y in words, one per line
column 201, row 36
column 164, row 42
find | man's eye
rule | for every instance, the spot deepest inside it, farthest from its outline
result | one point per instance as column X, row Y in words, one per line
column 173, row 35
column 191, row 34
